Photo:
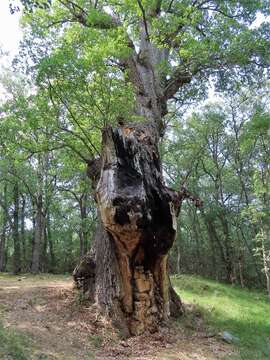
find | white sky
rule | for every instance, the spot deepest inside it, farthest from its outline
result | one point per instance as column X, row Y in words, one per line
column 10, row 36
column 10, row 33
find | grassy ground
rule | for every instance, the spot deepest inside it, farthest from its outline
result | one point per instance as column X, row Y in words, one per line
column 41, row 318
column 245, row 314
column 13, row 344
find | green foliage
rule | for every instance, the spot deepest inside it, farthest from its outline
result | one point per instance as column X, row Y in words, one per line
column 221, row 153
column 80, row 299
column 73, row 79
column 96, row 341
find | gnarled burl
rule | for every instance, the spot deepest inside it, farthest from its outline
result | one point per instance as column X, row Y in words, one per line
column 126, row 271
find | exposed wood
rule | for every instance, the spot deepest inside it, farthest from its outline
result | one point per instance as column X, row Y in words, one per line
column 138, row 227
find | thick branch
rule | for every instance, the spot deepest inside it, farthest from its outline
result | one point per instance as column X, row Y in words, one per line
column 157, row 8
column 81, row 16
column 185, row 194
column 94, row 170
column 144, row 18
column 177, row 80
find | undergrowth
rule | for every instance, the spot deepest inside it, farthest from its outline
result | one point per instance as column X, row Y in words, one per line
column 14, row 345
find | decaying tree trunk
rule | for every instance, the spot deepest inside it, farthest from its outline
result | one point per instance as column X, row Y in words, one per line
column 140, row 214
column 126, row 272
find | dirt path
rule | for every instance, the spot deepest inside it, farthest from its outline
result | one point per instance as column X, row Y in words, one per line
column 63, row 326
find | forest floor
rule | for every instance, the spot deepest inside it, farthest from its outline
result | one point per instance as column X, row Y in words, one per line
column 43, row 318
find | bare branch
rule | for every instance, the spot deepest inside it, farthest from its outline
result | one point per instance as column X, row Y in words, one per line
column 144, row 18
column 74, row 120
column 60, row 22
column 60, row 188
column 158, row 6
column 155, row 11
column 33, row 196
column 185, row 194
column 216, row 9
column 80, row 15
column 177, row 80
column 170, row 6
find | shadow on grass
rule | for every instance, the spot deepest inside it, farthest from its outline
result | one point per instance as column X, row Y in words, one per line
column 227, row 308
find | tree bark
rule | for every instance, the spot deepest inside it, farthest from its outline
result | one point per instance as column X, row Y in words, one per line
column 38, row 236
column 230, row 268
column 127, row 267
column 2, row 248
column 3, row 234
column 50, row 241
column 83, row 233
column 22, row 234
column 178, row 252
column 16, row 238
column 138, row 227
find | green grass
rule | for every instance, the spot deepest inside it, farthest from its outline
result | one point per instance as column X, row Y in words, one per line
column 37, row 277
column 14, row 345
column 96, row 341
column 245, row 314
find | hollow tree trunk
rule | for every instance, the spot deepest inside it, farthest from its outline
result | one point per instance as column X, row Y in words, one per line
column 126, row 270
column 138, row 213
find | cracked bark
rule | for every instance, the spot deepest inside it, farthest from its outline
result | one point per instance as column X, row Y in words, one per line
column 126, row 273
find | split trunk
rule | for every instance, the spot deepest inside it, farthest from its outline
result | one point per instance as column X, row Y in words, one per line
column 126, row 271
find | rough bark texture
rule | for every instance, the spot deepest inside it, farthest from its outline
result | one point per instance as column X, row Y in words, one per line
column 16, row 239
column 50, row 241
column 38, row 236
column 22, row 234
column 3, row 234
column 83, row 233
column 127, row 272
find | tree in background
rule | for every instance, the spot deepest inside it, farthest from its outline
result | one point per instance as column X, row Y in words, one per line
column 230, row 152
column 33, row 172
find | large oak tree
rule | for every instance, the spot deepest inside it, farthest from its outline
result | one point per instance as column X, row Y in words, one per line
column 156, row 52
